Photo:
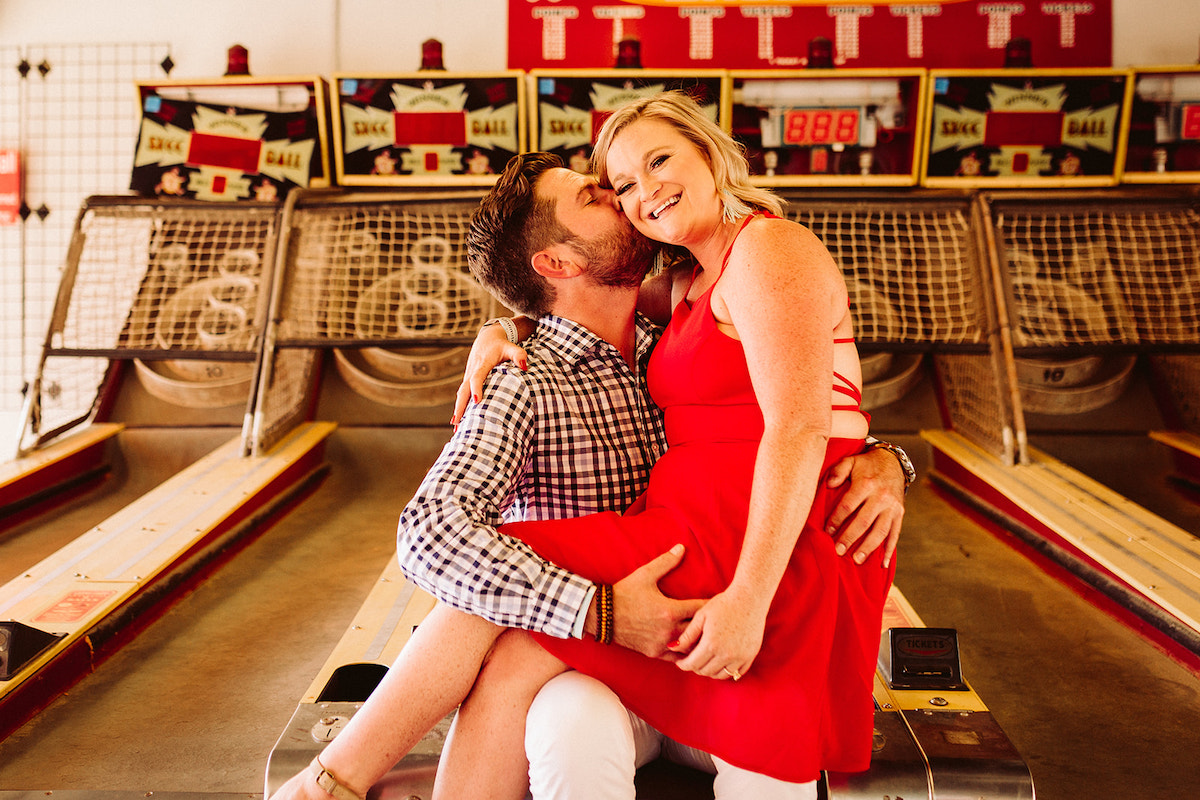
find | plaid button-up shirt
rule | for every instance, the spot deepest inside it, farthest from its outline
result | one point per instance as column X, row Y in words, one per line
column 575, row 434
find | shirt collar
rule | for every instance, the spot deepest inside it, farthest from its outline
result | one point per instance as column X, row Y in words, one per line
column 573, row 342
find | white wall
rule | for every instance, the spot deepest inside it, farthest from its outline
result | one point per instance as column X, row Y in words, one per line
column 1148, row 32
column 284, row 37
column 288, row 37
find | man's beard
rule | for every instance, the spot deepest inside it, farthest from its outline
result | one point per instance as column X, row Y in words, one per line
column 618, row 259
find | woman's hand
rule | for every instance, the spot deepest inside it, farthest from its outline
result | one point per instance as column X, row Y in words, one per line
column 723, row 638
column 491, row 347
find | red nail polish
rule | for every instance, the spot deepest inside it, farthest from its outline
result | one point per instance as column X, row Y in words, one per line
column 674, row 644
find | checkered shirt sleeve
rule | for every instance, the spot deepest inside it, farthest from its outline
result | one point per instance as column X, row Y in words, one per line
column 572, row 435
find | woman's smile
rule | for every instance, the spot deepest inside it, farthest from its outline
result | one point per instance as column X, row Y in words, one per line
column 656, row 213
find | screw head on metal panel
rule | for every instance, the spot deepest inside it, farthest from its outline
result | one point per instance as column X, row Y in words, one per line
column 328, row 728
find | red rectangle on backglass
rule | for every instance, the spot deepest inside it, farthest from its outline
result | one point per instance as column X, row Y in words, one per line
column 208, row 150
column 1023, row 128
column 431, row 127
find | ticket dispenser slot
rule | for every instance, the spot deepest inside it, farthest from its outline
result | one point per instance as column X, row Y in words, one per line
column 21, row 644
column 921, row 658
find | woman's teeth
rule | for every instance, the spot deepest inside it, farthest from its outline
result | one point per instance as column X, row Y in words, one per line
column 654, row 214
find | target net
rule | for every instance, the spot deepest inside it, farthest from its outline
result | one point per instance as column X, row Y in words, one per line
column 382, row 279
column 1091, row 272
column 1110, row 275
column 911, row 266
column 915, row 275
column 175, row 286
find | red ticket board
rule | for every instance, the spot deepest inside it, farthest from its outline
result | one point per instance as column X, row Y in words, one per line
column 771, row 34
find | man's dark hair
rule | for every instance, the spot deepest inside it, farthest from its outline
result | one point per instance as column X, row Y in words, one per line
column 510, row 225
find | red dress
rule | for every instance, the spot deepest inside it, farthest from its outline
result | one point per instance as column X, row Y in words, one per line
column 806, row 703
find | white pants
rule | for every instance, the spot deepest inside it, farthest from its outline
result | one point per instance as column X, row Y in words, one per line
column 583, row 742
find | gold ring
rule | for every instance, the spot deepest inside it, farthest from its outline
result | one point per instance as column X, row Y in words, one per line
column 737, row 676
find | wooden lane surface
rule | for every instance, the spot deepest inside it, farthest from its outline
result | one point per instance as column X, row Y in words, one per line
column 1155, row 561
column 95, row 591
column 37, row 476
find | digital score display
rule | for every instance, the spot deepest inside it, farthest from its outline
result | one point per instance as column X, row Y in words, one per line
column 806, row 127
column 829, row 127
column 1191, row 122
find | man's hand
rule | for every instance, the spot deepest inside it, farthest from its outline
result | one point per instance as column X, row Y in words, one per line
column 870, row 512
column 645, row 619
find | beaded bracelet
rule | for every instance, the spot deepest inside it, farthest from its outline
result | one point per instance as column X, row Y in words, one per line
column 604, row 613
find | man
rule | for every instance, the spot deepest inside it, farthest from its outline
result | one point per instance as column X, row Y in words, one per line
column 573, row 433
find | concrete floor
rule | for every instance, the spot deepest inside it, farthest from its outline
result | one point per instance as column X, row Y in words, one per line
column 197, row 701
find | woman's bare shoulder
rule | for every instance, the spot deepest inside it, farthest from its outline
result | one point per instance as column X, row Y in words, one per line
column 773, row 230
column 770, row 242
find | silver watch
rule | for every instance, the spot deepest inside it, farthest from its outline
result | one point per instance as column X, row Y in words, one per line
column 906, row 465
column 509, row 327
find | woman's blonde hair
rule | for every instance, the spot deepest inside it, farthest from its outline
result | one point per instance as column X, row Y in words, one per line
column 725, row 157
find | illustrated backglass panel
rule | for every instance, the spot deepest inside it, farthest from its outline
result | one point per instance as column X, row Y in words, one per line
column 1026, row 128
column 427, row 128
column 571, row 106
column 231, row 139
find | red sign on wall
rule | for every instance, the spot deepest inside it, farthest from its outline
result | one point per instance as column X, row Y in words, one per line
column 10, row 187
column 761, row 34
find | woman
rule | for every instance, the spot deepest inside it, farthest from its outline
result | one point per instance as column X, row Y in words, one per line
column 759, row 379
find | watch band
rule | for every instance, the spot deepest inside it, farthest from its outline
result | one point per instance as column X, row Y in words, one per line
column 510, row 328
column 906, row 465
column 330, row 784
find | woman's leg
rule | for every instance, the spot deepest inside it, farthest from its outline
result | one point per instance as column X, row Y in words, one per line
column 432, row 674
column 484, row 756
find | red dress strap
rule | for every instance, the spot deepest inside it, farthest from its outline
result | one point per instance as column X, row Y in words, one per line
column 849, row 390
